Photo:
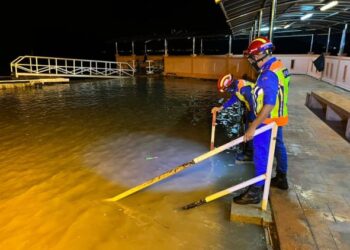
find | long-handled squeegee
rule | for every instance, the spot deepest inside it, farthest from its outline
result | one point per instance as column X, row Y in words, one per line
column 184, row 166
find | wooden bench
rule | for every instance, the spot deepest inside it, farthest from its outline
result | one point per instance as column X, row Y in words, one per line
column 336, row 106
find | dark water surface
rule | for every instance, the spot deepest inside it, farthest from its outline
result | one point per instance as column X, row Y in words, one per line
column 65, row 148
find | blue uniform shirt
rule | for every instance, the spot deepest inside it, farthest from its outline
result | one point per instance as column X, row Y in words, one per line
column 268, row 81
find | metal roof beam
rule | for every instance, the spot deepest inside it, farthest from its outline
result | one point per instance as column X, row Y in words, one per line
column 265, row 8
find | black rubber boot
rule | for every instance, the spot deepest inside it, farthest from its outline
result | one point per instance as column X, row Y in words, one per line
column 251, row 196
column 280, row 181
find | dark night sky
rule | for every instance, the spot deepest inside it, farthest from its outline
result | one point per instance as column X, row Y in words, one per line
column 89, row 30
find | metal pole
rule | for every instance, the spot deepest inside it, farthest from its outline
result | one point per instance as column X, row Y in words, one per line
column 311, row 43
column 260, row 21
column 201, row 46
column 342, row 42
column 230, row 45
column 255, row 28
column 272, row 18
column 193, row 46
column 132, row 48
column 116, row 48
column 251, row 35
column 165, row 47
column 145, row 48
column 328, row 39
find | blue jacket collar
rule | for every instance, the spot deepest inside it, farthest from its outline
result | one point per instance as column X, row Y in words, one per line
column 268, row 63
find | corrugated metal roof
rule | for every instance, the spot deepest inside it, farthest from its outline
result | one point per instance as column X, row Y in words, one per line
column 241, row 15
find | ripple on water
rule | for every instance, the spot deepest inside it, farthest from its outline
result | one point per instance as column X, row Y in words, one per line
column 129, row 160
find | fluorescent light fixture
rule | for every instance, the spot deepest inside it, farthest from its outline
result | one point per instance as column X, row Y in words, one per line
column 287, row 26
column 268, row 28
column 306, row 16
column 329, row 5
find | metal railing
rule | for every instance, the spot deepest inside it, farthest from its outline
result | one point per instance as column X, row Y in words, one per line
column 153, row 67
column 69, row 67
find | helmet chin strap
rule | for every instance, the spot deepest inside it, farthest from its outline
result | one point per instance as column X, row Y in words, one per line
column 255, row 63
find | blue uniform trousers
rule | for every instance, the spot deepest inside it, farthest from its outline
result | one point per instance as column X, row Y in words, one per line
column 261, row 144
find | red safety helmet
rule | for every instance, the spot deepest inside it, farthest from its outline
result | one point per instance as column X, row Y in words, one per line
column 225, row 82
column 260, row 45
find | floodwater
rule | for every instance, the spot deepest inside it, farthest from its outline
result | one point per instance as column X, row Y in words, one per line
column 65, row 148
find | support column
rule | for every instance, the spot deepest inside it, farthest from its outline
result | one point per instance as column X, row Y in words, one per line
column 132, row 48
column 342, row 42
column 311, row 43
column 272, row 18
column 255, row 28
column 251, row 35
column 230, row 45
column 260, row 21
column 328, row 39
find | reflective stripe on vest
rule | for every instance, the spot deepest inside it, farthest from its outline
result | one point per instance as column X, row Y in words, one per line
column 279, row 114
column 240, row 85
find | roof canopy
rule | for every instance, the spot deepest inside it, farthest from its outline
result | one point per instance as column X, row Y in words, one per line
column 242, row 15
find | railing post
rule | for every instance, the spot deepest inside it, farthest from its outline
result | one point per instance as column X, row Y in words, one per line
column 90, row 67
column 165, row 47
column 74, row 67
column 269, row 167
column 65, row 63
column 56, row 66
column 30, row 65
column 36, row 65
column 193, row 46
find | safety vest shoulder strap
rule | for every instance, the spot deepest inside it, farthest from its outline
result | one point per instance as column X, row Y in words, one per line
column 244, row 83
column 276, row 66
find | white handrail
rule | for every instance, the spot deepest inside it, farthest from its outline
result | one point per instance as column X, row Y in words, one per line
column 69, row 67
column 267, row 176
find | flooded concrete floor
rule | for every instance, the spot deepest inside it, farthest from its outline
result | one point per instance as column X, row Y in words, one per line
column 65, row 148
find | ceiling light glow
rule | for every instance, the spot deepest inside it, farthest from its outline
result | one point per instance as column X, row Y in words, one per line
column 306, row 16
column 329, row 5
